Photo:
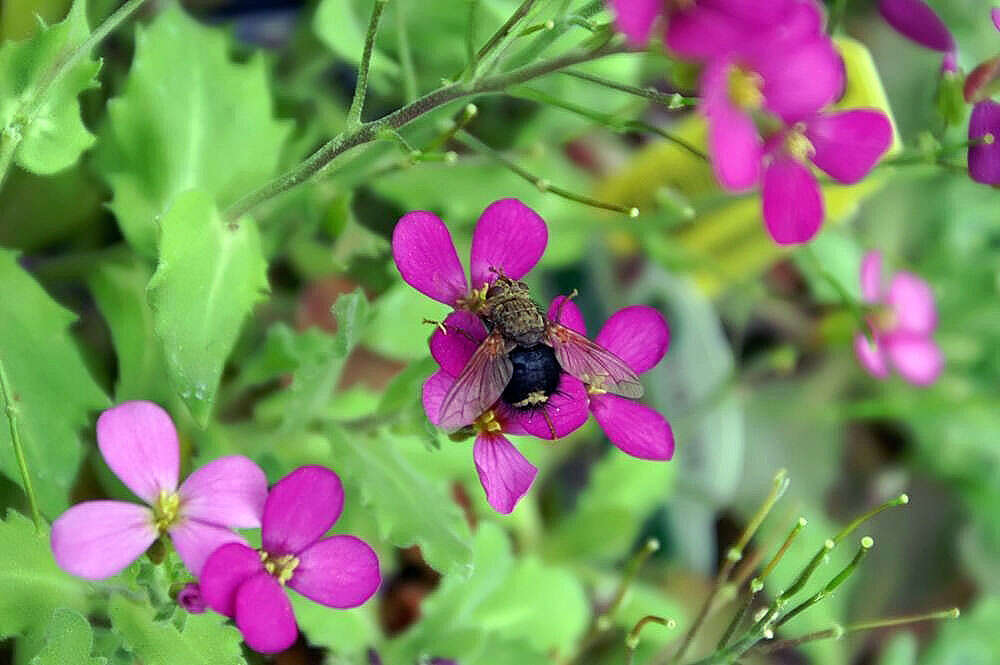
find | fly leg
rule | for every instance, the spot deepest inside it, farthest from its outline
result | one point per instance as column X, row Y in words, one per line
column 572, row 294
column 445, row 329
column 548, row 421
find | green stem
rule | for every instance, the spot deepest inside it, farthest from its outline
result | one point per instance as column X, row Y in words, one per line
column 361, row 87
column 837, row 16
column 500, row 34
column 900, row 500
column 406, row 53
column 9, row 141
column 367, row 132
column 671, row 101
column 10, row 408
column 631, row 572
column 544, row 40
column 839, row 631
column 541, row 183
column 733, row 555
column 632, row 640
column 866, row 545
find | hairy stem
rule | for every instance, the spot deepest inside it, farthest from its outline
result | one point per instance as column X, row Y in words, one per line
column 671, row 101
column 361, row 87
column 10, row 408
column 10, row 140
column 369, row 131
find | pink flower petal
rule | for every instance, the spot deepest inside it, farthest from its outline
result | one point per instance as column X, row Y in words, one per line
column 453, row 349
column 340, row 571
column 995, row 15
column 195, row 540
column 435, row 388
column 870, row 356
column 224, row 571
column 793, row 205
column 984, row 159
column 509, row 236
column 635, row 18
column 912, row 303
column 799, row 78
column 506, row 475
column 98, row 539
column 915, row 20
column 871, row 277
column 229, row 491
column 917, row 359
column 264, row 615
column 566, row 408
column 567, row 314
column 509, row 419
column 300, row 508
column 426, row 257
column 637, row 334
column 139, row 443
column 633, row 427
column 733, row 142
column 849, row 143
column 702, row 33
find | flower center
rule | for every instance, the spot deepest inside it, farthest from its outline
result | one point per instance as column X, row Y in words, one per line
column 166, row 510
column 281, row 567
column 882, row 319
column 488, row 423
column 798, row 145
column 475, row 300
column 745, row 89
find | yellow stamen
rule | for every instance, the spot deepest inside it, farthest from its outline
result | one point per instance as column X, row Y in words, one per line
column 281, row 567
column 487, row 423
column 798, row 146
column 745, row 89
column 165, row 510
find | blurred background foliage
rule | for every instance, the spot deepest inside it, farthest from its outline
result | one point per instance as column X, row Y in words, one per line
column 760, row 373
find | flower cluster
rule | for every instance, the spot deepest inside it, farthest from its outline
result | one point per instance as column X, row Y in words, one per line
column 901, row 325
column 916, row 21
column 98, row 539
column 769, row 75
column 509, row 239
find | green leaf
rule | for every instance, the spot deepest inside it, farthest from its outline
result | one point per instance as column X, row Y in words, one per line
column 205, row 639
column 401, row 303
column 315, row 378
column 345, row 632
column 341, row 25
column 54, row 394
column 69, row 641
column 56, row 136
column 120, row 291
column 405, row 389
column 33, row 586
column 504, row 601
column 188, row 117
column 283, row 351
column 210, row 275
column 840, row 257
column 971, row 640
column 610, row 512
column 410, row 508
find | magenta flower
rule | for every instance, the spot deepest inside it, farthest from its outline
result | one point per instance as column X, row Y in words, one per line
column 902, row 324
column 506, row 475
column 995, row 15
column 190, row 599
column 248, row 584
column 984, row 156
column 844, row 144
column 639, row 335
column 791, row 79
column 916, row 21
column 98, row 539
column 701, row 29
column 509, row 236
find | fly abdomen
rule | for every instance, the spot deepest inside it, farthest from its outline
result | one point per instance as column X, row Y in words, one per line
column 535, row 378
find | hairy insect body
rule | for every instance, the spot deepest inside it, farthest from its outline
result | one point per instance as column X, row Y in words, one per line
column 511, row 310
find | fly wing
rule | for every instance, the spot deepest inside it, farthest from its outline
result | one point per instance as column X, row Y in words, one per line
column 479, row 385
column 592, row 363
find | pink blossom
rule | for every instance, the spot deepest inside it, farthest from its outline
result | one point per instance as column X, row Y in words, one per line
column 984, row 156
column 844, row 144
column 248, row 585
column 901, row 326
column 509, row 236
column 639, row 335
column 506, row 475
column 98, row 539
column 190, row 599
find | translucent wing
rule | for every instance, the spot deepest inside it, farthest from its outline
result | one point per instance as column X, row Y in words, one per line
column 592, row 363
column 479, row 385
